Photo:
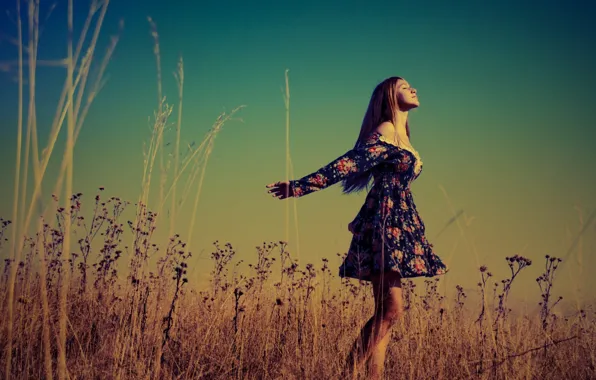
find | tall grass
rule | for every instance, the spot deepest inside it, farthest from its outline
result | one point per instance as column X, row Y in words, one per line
column 269, row 318
column 88, row 292
column 66, row 108
column 73, row 105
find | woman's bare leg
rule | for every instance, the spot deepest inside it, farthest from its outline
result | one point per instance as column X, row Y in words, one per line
column 390, row 299
column 358, row 355
column 376, row 364
column 374, row 336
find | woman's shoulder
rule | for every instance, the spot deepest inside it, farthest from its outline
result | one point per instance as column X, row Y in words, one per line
column 386, row 129
column 385, row 132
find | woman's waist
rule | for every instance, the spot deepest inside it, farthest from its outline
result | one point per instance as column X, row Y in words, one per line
column 390, row 184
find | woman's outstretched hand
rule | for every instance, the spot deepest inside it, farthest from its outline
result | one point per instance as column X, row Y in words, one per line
column 280, row 190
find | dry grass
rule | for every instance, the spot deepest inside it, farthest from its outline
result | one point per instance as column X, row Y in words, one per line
column 267, row 319
column 121, row 306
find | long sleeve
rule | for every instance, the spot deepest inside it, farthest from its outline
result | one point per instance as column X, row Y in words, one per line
column 357, row 160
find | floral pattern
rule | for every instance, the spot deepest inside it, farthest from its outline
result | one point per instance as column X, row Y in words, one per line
column 388, row 233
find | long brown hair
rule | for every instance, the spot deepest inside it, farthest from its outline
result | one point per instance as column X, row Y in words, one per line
column 381, row 107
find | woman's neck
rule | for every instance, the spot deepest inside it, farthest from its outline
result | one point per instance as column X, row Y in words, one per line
column 401, row 131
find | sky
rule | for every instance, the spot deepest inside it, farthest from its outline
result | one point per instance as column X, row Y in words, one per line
column 505, row 127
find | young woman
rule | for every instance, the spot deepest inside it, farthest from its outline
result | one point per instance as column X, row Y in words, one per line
column 389, row 241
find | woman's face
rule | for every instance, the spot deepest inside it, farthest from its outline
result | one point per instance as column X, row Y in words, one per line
column 406, row 96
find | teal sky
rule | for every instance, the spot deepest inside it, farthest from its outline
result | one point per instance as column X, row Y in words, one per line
column 506, row 123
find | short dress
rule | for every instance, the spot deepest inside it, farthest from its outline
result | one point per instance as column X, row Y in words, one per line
column 388, row 233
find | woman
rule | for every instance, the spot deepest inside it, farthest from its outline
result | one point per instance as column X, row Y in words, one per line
column 389, row 241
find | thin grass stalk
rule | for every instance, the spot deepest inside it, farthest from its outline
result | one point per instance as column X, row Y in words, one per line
column 161, row 116
column 88, row 59
column 68, row 154
column 41, row 252
column 161, row 122
column 6, row 65
column 469, row 244
column 84, row 71
column 33, row 27
column 577, row 279
column 287, row 105
column 60, row 109
column 41, row 165
column 579, row 258
column 142, row 210
column 16, row 228
column 290, row 171
column 195, row 157
column 33, row 11
column 33, row 70
column 57, row 124
column 157, row 54
column 580, row 244
column 180, row 81
column 192, row 157
column 188, row 187
column 199, row 189
column 151, row 153
column 211, row 138
column 99, row 82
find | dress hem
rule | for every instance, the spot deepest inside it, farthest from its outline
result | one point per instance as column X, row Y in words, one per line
column 368, row 278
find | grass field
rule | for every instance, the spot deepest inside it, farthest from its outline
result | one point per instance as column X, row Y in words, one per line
column 122, row 307
column 267, row 319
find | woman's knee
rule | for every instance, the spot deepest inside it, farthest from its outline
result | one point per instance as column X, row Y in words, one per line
column 388, row 297
column 392, row 311
column 384, row 282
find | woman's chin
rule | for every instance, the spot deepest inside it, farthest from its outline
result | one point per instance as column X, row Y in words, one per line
column 410, row 106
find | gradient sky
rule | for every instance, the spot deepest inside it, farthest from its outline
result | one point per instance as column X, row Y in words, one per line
column 505, row 126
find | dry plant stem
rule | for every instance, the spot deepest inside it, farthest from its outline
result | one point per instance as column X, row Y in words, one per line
column 32, row 47
column 180, row 81
column 580, row 248
column 290, row 170
column 577, row 279
column 68, row 156
column 194, row 156
column 58, row 121
column 141, row 216
column 533, row 349
column 80, row 117
column 16, row 228
column 61, row 109
column 82, row 74
column 210, row 141
column 198, row 156
column 41, row 251
column 155, row 35
column 161, row 118
column 582, row 231
column 85, row 65
column 469, row 244
column 39, row 168
column 287, row 104
column 198, row 192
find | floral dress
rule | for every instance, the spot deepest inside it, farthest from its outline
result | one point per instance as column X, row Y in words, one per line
column 388, row 233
